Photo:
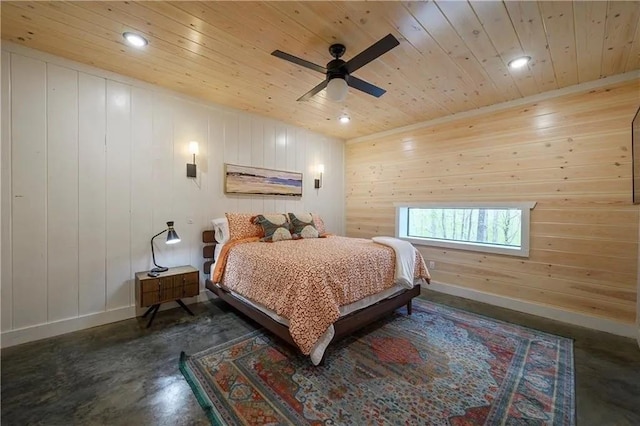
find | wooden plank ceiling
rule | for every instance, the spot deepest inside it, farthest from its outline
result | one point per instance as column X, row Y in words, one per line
column 452, row 56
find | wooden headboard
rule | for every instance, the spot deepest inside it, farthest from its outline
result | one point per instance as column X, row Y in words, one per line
column 209, row 239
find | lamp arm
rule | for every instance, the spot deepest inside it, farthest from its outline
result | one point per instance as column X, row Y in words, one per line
column 153, row 254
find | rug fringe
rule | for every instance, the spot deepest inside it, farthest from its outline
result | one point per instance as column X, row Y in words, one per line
column 200, row 395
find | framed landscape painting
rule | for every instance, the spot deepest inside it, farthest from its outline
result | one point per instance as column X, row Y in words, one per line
column 256, row 180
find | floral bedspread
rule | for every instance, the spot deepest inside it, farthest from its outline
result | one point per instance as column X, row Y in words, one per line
column 306, row 281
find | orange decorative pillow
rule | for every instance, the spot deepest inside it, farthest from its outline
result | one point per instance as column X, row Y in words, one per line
column 241, row 226
column 319, row 223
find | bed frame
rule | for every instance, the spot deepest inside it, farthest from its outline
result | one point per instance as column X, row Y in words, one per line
column 345, row 326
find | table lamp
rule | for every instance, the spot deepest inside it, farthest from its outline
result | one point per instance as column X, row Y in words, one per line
column 172, row 238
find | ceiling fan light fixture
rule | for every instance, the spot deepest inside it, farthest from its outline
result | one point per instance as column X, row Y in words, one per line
column 344, row 119
column 337, row 89
column 135, row 40
column 519, row 62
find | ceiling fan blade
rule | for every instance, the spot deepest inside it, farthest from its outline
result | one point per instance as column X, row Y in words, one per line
column 378, row 48
column 282, row 55
column 369, row 88
column 313, row 91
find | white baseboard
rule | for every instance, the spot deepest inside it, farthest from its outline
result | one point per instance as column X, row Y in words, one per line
column 596, row 323
column 43, row 331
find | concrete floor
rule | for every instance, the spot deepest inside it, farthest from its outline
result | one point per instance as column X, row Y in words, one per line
column 124, row 374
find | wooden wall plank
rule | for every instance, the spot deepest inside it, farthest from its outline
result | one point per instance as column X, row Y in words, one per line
column 231, row 155
column 281, row 161
column 529, row 26
column 291, row 203
column 29, row 190
column 257, row 158
column 62, row 192
column 622, row 21
column 570, row 154
column 6, row 304
column 163, row 189
column 497, row 24
column 141, row 180
column 633, row 62
column 213, row 188
column 269, row 139
column 464, row 19
column 118, row 195
column 244, row 156
column 429, row 16
column 92, row 193
column 301, row 165
column 624, row 313
column 559, row 26
column 589, row 18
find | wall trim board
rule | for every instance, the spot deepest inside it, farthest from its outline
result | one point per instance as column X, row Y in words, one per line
column 569, row 90
column 574, row 318
column 44, row 331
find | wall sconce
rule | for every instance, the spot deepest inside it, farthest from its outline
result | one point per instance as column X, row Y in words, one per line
column 191, row 168
column 318, row 182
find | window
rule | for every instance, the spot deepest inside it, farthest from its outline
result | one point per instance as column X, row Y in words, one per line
column 487, row 227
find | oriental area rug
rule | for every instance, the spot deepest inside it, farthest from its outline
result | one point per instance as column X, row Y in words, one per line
column 439, row 366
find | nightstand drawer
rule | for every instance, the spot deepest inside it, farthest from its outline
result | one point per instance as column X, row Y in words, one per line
column 156, row 290
column 186, row 285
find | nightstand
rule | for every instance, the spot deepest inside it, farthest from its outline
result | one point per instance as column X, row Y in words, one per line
column 169, row 286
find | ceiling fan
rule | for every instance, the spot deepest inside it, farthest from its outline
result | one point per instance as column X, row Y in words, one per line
column 338, row 72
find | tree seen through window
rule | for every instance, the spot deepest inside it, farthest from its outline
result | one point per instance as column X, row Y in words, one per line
column 487, row 226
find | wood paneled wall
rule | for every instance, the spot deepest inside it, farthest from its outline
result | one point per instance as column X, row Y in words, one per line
column 571, row 154
column 94, row 165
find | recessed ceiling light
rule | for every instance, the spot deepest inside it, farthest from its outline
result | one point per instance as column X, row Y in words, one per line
column 519, row 62
column 344, row 119
column 135, row 40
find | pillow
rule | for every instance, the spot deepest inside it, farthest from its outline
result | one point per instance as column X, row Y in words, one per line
column 319, row 223
column 241, row 227
column 221, row 229
column 302, row 225
column 275, row 227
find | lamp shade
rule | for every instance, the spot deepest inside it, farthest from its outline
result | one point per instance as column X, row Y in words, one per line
column 172, row 235
column 337, row 89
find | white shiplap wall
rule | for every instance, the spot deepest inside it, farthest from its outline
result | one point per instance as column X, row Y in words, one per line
column 94, row 164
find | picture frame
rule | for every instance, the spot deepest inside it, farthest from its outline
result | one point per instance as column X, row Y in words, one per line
column 261, row 181
column 635, row 156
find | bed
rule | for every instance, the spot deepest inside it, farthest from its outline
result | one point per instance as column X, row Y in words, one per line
column 313, row 291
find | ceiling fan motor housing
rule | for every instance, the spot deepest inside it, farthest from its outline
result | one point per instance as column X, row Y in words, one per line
column 337, row 69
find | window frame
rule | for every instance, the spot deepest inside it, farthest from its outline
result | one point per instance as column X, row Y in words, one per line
column 525, row 207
